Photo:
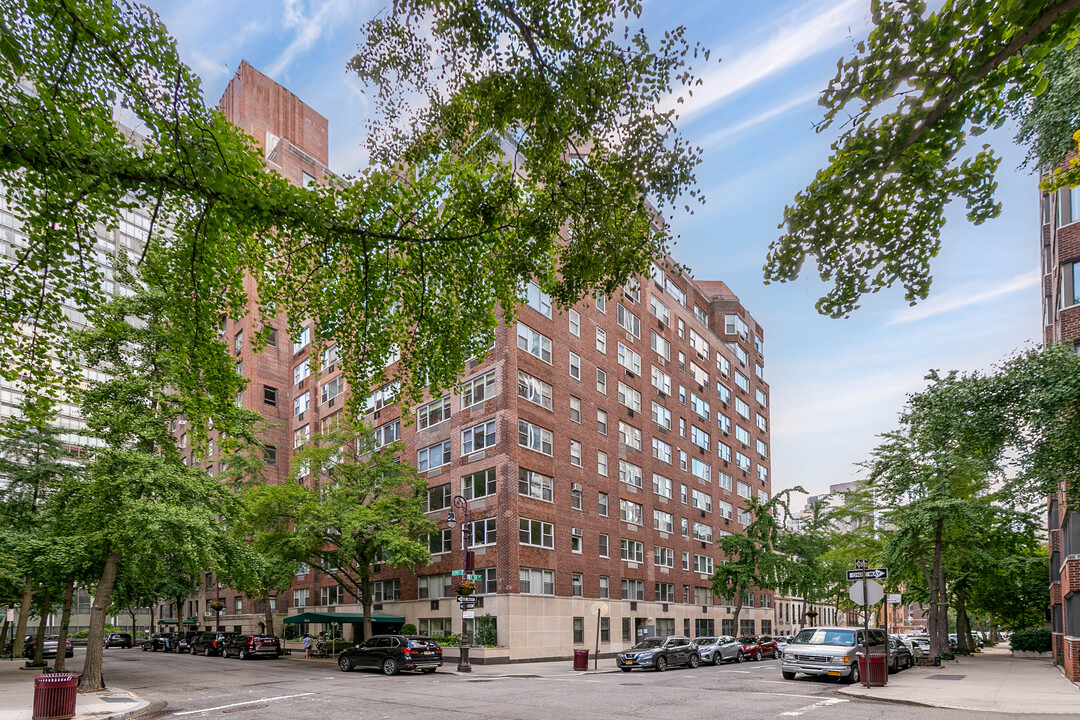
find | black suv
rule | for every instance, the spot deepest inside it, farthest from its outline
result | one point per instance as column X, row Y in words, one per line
column 157, row 642
column 210, row 643
column 120, row 640
column 660, row 653
column 249, row 646
column 392, row 653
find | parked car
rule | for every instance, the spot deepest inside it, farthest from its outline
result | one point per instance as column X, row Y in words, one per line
column 830, row 651
column 159, row 641
column 715, row 650
column 660, row 653
column 920, row 647
column 48, row 648
column 249, row 646
column 900, row 658
column 181, row 642
column 767, row 646
column 781, row 643
column 209, row 643
column 392, row 654
column 751, row 649
column 120, row 640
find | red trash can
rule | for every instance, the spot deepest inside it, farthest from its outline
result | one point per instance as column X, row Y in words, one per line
column 54, row 696
column 874, row 673
column 581, row 659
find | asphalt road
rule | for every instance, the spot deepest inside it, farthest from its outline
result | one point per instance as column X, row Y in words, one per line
column 182, row 686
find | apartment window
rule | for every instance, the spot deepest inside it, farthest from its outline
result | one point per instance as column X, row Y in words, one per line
column 478, row 484
column 631, row 550
column 663, row 521
column 602, row 504
column 743, row 490
column 700, row 500
column 742, row 461
column 662, row 486
column 386, row 590
column 381, row 397
column 699, row 344
column 301, row 435
column 483, row 532
column 724, row 509
column 575, row 496
column 702, row 532
column 601, row 463
column 685, row 560
column 487, row 584
column 433, row 413
column 628, row 321
column 700, row 406
column 660, row 310
column 630, row 512
column 661, row 415
column 478, row 390
column 724, row 423
column 577, row 589
column 629, row 397
column 601, row 303
column 602, row 545
column 330, row 356
column 682, row 460
column 761, row 397
column 762, row 448
column 664, row 557
column 601, row 422
column 664, row 592
column 575, row 323
column 745, row 518
column 575, row 409
column 534, row 343
column 700, row 470
column 742, row 409
column 478, row 437
column 661, row 450
column 633, row 589
column 659, row 345
column 387, row 433
column 575, row 366
column 535, row 533
column 605, row 628
column 601, row 340
column 302, row 340
column 629, row 435
column 703, row 596
column 433, row 456
column 534, row 485
column 661, row 380
column 439, row 542
column 269, row 396
column 538, row 300
column 270, row 454
column 682, row 494
column 534, row 437
column 759, row 371
column 684, row 527
column 723, row 392
column 703, row 564
column 761, row 422
column 437, row 498
column 629, row 359
column 601, row 381
column 605, row 587
column 742, row 435
column 301, row 371
column 762, row 472
column 675, row 291
column 301, row 402
column 534, row 390
column 535, row 581
column 699, row 437
column 301, row 597
column 434, row 586
column 575, row 453
column 271, row 337
column 742, row 381
column 723, row 451
column 629, row 473
column 331, row 389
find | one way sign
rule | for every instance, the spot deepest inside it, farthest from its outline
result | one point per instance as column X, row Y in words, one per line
column 871, row 574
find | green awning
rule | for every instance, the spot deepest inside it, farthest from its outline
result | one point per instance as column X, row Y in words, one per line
column 317, row 617
column 188, row 621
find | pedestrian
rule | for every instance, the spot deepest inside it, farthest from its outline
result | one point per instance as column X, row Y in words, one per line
column 307, row 646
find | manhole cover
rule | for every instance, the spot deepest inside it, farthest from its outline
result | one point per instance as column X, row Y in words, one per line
column 947, row 677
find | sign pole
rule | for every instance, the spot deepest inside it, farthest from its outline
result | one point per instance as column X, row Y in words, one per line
column 866, row 632
column 596, row 657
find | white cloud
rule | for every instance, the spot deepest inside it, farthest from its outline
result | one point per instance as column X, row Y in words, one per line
column 309, row 31
column 723, row 136
column 791, row 44
column 962, row 297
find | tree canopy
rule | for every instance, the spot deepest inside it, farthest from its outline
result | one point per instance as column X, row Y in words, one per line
column 915, row 92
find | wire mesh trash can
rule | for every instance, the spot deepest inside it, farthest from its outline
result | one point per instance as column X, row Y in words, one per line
column 874, row 673
column 581, row 659
column 54, row 696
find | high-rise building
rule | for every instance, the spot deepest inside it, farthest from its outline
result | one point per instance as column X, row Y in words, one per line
column 602, row 450
column 1060, row 213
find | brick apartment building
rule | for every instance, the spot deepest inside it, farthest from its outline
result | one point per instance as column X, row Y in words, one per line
column 602, row 450
column 1061, row 324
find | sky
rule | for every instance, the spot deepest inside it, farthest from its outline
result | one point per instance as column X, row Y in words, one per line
column 836, row 385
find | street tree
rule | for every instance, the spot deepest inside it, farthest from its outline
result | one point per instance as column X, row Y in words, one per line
column 414, row 257
column 928, row 79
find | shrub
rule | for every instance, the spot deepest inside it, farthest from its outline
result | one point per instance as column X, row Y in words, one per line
column 486, row 633
column 1031, row 641
column 451, row 640
column 408, row 629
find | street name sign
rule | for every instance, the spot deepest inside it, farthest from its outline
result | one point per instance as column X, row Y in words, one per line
column 455, row 573
column 894, row 599
column 874, row 592
column 871, row 574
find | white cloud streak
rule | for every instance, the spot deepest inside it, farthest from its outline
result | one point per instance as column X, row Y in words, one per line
column 962, row 297
column 309, row 31
column 790, row 44
column 724, row 136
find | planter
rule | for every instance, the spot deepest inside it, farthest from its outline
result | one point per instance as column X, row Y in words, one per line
column 927, row 662
column 478, row 655
column 1028, row 655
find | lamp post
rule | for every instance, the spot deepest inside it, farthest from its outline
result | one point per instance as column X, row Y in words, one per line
column 461, row 504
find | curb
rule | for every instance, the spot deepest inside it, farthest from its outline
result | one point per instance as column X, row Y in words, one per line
column 923, row 703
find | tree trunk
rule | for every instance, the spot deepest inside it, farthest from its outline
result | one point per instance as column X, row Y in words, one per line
column 65, row 619
column 4, row 630
column 39, row 647
column 965, row 645
column 269, row 616
column 132, row 611
column 938, row 621
column 365, row 603
column 735, row 619
column 179, row 622
column 17, row 641
column 91, row 680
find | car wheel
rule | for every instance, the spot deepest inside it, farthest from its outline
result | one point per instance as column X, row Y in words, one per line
column 242, row 654
column 787, row 675
column 693, row 662
column 661, row 664
column 740, row 657
column 389, row 666
column 717, row 658
column 757, row 656
column 853, row 677
column 224, row 652
column 345, row 663
column 206, row 651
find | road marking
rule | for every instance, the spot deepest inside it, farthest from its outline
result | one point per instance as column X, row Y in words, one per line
column 744, row 672
column 822, row 703
column 249, row 702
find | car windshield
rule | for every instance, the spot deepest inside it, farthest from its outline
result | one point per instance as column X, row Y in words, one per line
column 704, row 641
column 649, row 643
column 844, row 638
column 747, row 639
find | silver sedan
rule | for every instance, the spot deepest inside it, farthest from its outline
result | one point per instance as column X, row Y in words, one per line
column 716, row 650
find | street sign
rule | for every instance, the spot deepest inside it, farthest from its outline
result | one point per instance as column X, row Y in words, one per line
column 861, row 564
column 477, row 578
column 874, row 592
column 10, row 614
column 468, row 614
column 455, row 573
column 466, row 600
column 872, row 574
column 893, row 599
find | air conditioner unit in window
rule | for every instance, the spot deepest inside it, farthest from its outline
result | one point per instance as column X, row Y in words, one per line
column 633, row 606
column 207, row 613
column 701, row 450
column 629, row 374
column 434, row 604
column 331, row 403
column 576, row 532
column 662, row 393
column 377, row 414
column 629, row 412
column 331, row 369
column 300, row 417
column 376, row 606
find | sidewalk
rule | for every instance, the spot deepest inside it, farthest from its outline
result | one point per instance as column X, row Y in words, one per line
column 992, row 681
column 17, row 697
column 554, row 668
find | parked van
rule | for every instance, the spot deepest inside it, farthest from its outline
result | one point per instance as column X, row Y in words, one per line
column 830, row 651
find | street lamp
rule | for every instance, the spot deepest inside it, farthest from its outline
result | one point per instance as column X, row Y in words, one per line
column 461, row 504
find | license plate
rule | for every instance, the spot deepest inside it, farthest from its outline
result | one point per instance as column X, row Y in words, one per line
column 429, row 652
column 628, row 662
column 834, row 672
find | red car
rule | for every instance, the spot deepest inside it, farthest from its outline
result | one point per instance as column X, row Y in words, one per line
column 767, row 647
column 757, row 647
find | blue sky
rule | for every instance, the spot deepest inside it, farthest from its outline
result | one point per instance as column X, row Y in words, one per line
column 836, row 384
